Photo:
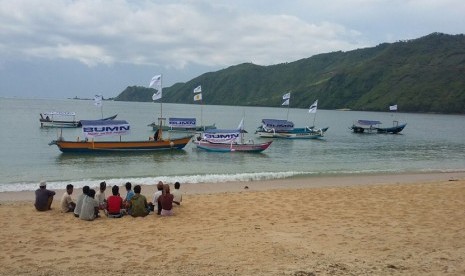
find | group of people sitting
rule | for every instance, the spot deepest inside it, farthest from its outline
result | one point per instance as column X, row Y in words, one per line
column 90, row 202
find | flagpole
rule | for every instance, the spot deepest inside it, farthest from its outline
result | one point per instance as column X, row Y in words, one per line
column 287, row 116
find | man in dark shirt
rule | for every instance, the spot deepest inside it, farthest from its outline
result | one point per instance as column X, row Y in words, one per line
column 44, row 197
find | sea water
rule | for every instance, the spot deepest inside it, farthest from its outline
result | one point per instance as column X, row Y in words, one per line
column 429, row 143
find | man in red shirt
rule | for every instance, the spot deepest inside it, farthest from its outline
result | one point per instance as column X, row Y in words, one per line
column 115, row 206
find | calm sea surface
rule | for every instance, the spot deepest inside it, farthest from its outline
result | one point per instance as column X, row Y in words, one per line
column 429, row 143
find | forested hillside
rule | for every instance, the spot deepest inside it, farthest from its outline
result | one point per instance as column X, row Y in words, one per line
column 420, row 75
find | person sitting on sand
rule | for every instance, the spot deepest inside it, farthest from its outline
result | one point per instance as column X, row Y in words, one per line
column 44, row 197
column 129, row 194
column 115, row 207
column 155, row 203
column 77, row 209
column 177, row 195
column 100, row 196
column 138, row 206
column 89, row 209
column 67, row 203
column 166, row 200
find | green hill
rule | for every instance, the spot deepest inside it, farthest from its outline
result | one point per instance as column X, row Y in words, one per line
column 420, row 75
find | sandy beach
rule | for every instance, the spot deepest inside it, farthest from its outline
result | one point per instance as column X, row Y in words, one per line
column 354, row 225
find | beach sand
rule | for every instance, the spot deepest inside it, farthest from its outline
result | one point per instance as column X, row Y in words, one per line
column 358, row 225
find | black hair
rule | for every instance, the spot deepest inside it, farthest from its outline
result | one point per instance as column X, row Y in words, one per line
column 103, row 185
column 177, row 185
column 115, row 190
column 128, row 186
column 137, row 189
column 85, row 190
column 91, row 193
column 69, row 186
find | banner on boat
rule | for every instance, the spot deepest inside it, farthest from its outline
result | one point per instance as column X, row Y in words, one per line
column 182, row 122
column 277, row 124
column 99, row 128
column 222, row 136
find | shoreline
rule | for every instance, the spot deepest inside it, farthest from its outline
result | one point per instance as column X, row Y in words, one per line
column 296, row 182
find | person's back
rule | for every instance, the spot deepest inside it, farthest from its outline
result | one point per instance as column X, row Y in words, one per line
column 138, row 204
column 80, row 200
column 177, row 195
column 89, row 209
column 156, row 195
column 114, row 203
column 166, row 200
column 44, row 197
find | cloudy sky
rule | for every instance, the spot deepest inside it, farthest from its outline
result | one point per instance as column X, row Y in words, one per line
column 61, row 49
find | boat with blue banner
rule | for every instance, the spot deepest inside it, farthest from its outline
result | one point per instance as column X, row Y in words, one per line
column 273, row 128
column 182, row 125
column 228, row 140
column 103, row 128
column 371, row 126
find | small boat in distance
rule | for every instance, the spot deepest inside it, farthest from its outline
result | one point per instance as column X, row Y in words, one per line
column 58, row 119
column 99, row 128
column 224, row 140
column 369, row 126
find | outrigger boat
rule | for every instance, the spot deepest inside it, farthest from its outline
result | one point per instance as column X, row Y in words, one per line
column 98, row 128
column 182, row 125
column 223, row 140
column 57, row 119
column 369, row 126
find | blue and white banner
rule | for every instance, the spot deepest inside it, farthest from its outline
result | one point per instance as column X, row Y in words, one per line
column 313, row 107
column 221, row 136
column 182, row 122
column 198, row 89
column 99, row 128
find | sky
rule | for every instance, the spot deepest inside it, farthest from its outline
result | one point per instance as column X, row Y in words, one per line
column 64, row 49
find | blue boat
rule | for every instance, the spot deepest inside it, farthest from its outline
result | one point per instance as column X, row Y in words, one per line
column 370, row 126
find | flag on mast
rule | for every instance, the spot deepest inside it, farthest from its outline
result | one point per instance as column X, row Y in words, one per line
column 393, row 107
column 156, row 84
column 286, row 102
column 98, row 100
column 287, row 96
column 198, row 89
column 241, row 125
column 313, row 107
column 198, row 97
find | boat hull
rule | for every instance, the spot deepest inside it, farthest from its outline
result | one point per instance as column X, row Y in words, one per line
column 391, row 130
column 232, row 147
column 106, row 146
column 296, row 133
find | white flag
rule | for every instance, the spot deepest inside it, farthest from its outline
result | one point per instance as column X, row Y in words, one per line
column 156, row 95
column 98, row 100
column 198, row 97
column 198, row 89
column 286, row 96
column 241, row 125
column 156, row 84
column 313, row 107
column 286, row 102
column 393, row 107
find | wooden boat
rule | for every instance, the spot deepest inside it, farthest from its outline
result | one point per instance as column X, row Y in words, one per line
column 57, row 119
column 272, row 128
column 97, row 128
column 369, row 126
column 224, row 140
column 181, row 125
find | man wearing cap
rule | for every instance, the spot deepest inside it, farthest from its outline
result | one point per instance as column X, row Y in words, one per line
column 44, row 197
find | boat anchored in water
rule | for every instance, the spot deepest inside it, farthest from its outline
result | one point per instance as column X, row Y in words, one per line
column 97, row 128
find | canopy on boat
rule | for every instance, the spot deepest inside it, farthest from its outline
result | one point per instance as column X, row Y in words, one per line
column 59, row 113
column 278, row 124
column 224, row 136
column 98, row 128
column 368, row 122
column 182, row 122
